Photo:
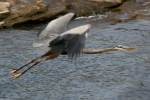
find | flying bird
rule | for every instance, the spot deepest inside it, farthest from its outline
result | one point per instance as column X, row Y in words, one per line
column 58, row 41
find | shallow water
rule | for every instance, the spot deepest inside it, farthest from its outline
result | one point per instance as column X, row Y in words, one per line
column 109, row 76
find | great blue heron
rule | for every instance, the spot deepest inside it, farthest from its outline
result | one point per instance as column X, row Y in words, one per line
column 70, row 42
column 59, row 41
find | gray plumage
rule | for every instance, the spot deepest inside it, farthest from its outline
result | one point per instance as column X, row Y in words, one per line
column 54, row 38
column 71, row 42
column 52, row 30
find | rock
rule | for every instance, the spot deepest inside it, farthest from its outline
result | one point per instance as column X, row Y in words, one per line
column 28, row 10
column 4, row 9
column 130, row 10
column 24, row 11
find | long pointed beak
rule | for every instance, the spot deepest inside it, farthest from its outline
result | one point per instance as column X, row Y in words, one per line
column 16, row 73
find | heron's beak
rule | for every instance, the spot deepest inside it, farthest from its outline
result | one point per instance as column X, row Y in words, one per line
column 16, row 73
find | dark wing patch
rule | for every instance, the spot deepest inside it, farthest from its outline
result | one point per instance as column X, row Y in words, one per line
column 57, row 41
column 74, row 43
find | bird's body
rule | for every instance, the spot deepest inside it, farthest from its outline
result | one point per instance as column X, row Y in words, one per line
column 58, row 41
column 71, row 42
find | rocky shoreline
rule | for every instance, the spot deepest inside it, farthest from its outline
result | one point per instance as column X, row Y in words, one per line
column 18, row 11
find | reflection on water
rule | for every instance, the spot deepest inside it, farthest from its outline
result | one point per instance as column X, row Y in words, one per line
column 111, row 76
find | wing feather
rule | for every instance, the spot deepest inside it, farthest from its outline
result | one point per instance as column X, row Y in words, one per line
column 56, row 26
column 75, row 45
column 72, row 42
column 52, row 30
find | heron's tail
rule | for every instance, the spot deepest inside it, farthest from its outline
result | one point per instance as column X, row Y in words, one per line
column 15, row 73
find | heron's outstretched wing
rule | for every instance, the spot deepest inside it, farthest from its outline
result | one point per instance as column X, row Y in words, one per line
column 56, row 26
column 53, row 29
column 72, row 42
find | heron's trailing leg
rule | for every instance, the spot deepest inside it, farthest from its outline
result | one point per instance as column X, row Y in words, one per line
column 15, row 73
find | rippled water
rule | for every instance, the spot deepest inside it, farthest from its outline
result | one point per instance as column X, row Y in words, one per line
column 109, row 76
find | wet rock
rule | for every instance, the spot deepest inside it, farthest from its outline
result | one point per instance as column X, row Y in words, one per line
column 26, row 10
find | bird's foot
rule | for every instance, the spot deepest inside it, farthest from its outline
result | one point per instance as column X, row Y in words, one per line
column 15, row 74
column 13, row 71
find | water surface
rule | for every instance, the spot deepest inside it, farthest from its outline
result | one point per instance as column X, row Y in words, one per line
column 109, row 76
